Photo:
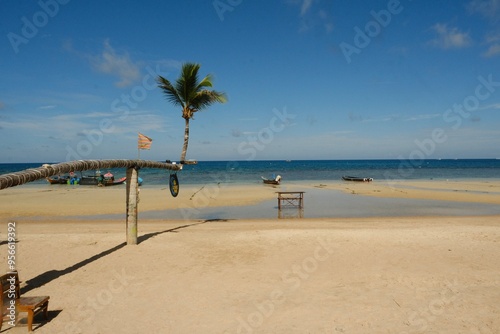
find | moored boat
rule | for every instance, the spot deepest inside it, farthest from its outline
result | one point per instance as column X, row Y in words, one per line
column 275, row 181
column 56, row 179
column 94, row 181
column 64, row 179
column 357, row 179
column 98, row 179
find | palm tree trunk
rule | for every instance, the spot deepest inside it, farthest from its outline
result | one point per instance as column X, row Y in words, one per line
column 186, row 140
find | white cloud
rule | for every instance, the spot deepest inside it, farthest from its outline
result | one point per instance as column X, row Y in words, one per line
column 423, row 116
column 327, row 23
column 119, row 65
column 450, row 38
column 304, row 8
column 493, row 38
column 69, row 126
column 493, row 50
column 313, row 14
column 94, row 114
column 47, row 107
column 385, row 118
column 488, row 8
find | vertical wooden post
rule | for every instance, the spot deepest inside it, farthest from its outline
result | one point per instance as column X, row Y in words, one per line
column 132, row 196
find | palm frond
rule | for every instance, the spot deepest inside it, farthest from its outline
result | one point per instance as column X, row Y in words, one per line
column 205, row 82
column 170, row 92
column 206, row 98
column 188, row 80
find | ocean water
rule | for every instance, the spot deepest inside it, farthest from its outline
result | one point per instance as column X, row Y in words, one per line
column 318, row 202
column 238, row 172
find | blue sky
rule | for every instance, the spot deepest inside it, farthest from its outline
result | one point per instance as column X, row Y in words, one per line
column 306, row 79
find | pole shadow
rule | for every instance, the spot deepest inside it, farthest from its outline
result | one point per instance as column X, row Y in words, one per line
column 52, row 275
column 174, row 230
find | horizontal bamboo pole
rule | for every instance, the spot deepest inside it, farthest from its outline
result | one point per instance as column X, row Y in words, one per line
column 33, row 174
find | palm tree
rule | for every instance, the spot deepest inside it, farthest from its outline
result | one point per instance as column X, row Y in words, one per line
column 191, row 95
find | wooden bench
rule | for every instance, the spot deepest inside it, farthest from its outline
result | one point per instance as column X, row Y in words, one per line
column 13, row 304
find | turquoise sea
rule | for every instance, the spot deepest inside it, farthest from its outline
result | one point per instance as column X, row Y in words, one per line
column 318, row 202
column 206, row 172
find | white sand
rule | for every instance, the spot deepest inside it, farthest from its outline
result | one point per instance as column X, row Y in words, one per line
column 370, row 275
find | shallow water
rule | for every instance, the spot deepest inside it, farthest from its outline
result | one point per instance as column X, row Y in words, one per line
column 324, row 203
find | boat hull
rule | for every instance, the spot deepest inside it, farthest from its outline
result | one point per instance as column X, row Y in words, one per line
column 94, row 181
column 271, row 182
column 58, row 179
column 275, row 181
column 357, row 179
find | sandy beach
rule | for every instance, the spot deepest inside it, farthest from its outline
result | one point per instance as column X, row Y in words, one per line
column 397, row 274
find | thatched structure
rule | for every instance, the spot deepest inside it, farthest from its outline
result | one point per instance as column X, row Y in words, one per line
column 30, row 175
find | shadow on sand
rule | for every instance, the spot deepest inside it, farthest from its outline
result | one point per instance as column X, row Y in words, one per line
column 51, row 275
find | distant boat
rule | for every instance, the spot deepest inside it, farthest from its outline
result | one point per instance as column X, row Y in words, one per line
column 276, row 180
column 356, row 178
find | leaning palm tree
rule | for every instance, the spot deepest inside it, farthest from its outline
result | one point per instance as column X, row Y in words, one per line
column 191, row 95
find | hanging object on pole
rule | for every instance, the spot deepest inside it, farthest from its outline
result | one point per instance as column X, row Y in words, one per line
column 174, row 185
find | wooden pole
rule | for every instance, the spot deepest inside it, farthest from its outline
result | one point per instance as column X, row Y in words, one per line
column 132, row 196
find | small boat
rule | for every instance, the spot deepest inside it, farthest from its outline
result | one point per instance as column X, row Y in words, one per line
column 115, row 182
column 356, row 178
column 63, row 179
column 276, row 180
column 100, row 180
